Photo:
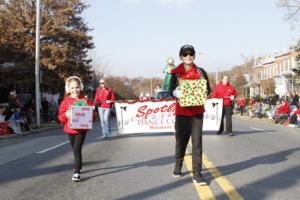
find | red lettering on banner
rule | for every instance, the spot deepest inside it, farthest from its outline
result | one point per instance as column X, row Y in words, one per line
column 78, row 114
column 144, row 111
column 84, row 125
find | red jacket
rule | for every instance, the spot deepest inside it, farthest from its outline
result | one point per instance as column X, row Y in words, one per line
column 224, row 91
column 102, row 95
column 284, row 109
column 193, row 73
column 252, row 101
column 242, row 102
column 64, row 106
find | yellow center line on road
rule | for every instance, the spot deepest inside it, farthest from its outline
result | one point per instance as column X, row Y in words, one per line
column 226, row 186
column 204, row 192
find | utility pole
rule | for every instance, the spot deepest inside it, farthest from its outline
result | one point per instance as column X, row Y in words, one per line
column 37, row 63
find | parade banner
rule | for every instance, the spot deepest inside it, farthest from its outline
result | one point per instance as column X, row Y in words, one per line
column 81, row 117
column 213, row 114
column 159, row 116
column 145, row 116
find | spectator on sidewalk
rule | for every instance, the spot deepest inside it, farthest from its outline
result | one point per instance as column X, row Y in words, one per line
column 295, row 118
column 45, row 109
column 227, row 92
column 274, row 100
column 252, row 101
column 106, row 97
column 295, row 99
column 282, row 112
column 242, row 104
column 257, row 109
column 4, row 126
column 13, row 103
column 28, row 109
column 53, row 108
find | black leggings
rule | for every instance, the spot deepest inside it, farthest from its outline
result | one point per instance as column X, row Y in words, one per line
column 186, row 127
column 76, row 142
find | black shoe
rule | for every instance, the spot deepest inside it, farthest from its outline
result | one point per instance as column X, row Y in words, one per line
column 177, row 174
column 198, row 179
column 231, row 134
column 219, row 132
column 76, row 177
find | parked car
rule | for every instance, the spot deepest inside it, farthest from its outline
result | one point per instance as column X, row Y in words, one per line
column 163, row 94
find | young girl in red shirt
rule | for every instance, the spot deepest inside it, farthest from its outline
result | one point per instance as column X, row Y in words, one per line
column 73, row 95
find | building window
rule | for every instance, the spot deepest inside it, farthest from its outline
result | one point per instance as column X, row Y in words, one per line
column 280, row 68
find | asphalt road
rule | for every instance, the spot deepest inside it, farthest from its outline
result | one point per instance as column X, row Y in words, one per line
column 260, row 162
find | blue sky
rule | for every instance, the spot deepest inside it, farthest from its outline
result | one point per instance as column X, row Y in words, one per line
column 135, row 37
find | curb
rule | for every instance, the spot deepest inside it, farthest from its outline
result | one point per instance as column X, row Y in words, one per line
column 261, row 120
column 33, row 131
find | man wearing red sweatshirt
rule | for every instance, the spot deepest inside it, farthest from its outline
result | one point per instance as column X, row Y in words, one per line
column 227, row 92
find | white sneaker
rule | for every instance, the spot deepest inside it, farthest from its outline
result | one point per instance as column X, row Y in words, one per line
column 76, row 177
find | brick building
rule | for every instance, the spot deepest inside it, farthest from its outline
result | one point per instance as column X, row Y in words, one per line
column 277, row 67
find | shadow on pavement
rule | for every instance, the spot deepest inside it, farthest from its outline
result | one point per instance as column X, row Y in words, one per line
column 261, row 188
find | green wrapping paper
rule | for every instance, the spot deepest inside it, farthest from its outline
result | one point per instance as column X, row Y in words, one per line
column 80, row 102
column 192, row 92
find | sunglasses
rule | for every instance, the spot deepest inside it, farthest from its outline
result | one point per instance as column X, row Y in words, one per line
column 101, row 83
column 186, row 54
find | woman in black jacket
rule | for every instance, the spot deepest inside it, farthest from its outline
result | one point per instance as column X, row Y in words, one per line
column 189, row 119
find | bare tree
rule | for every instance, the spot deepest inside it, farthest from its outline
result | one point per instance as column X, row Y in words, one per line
column 293, row 10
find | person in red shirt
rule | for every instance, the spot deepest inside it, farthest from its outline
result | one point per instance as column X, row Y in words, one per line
column 295, row 117
column 284, row 108
column 242, row 105
column 227, row 92
column 282, row 113
column 73, row 94
column 105, row 95
column 188, row 120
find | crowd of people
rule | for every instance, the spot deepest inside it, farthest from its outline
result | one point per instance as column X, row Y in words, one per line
column 281, row 110
column 18, row 116
column 15, row 118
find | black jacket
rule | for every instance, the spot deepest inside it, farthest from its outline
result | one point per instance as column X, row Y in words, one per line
column 174, row 81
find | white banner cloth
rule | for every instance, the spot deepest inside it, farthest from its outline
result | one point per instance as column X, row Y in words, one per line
column 159, row 116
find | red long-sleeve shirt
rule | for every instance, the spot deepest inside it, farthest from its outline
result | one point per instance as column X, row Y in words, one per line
column 242, row 102
column 64, row 107
column 284, row 109
column 102, row 95
column 224, row 91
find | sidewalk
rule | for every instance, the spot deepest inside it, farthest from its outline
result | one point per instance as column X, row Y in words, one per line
column 260, row 119
column 34, row 129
